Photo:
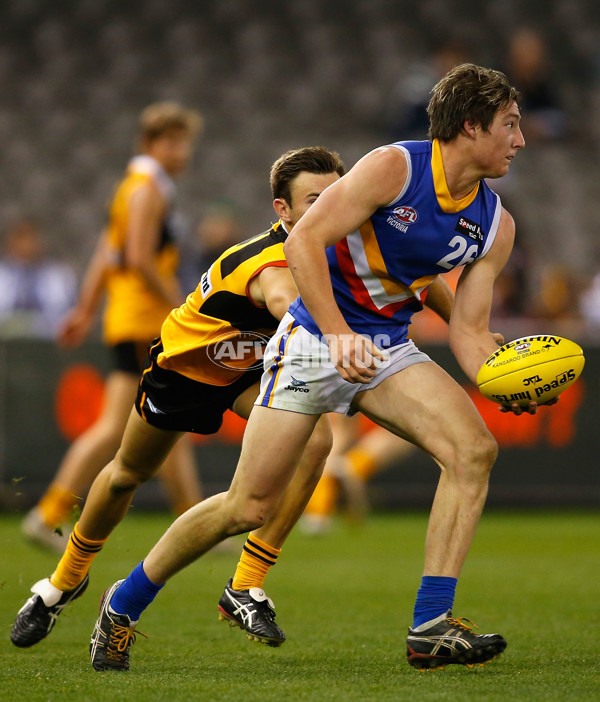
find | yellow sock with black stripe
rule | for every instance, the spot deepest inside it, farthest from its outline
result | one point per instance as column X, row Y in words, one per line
column 255, row 562
column 76, row 561
column 56, row 506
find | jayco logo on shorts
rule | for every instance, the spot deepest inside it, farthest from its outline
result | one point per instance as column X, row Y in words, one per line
column 243, row 351
column 297, row 385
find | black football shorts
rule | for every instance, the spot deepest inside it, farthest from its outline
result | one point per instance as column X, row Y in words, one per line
column 168, row 400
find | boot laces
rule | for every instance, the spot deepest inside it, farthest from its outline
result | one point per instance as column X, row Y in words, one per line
column 120, row 640
column 462, row 623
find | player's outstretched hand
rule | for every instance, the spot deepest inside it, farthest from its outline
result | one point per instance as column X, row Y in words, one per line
column 74, row 328
column 355, row 357
column 532, row 409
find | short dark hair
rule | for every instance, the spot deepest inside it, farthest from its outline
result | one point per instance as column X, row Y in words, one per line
column 467, row 92
column 311, row 159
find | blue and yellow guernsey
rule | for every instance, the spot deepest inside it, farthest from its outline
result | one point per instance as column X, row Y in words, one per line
column 381, row 272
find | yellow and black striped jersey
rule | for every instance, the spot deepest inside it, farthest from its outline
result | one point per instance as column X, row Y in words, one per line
column 133, row 312
column 221, row 309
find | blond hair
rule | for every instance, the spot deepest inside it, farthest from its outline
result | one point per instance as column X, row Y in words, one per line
column 162, row 117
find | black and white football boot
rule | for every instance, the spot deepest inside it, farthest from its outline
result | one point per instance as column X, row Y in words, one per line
column 113, row 636
column 252, row 611
column 448, row 640
column 38, row 615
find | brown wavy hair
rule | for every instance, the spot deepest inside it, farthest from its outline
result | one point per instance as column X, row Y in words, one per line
column 467, row 92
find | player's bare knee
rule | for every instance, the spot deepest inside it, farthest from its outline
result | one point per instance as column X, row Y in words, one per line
column 256, row 512
column 247, row 514
column 472, row 460
column 477, row 458
column 243, row 523
column 486, row 449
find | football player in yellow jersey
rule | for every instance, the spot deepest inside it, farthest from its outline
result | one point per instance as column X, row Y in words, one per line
column 135, row 262
column 206, row 361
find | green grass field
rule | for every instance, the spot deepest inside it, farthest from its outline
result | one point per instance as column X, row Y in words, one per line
column 345, row 602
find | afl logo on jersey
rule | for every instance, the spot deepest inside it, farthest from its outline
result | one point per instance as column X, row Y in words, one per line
column 408, row 215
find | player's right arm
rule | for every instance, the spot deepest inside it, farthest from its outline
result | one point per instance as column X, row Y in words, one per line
column 78, row 321
column 375, row 181
column 146, row 209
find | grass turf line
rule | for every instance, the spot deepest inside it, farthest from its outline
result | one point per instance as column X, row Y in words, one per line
column 345, row 602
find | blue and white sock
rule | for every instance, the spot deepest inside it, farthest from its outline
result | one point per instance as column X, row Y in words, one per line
column 135, row 594
column 434, row 598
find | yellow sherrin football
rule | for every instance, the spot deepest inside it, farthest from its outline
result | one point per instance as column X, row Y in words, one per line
column 532, row 368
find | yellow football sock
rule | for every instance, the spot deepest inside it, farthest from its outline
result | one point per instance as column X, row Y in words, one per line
column 56, row 505
column 322, row 502
column 76, row 561
column 255, row 562
column 361, row 463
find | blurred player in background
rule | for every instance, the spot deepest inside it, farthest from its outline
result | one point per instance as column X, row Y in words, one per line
column 135, row 262
column 530, row 66
column 363, row 257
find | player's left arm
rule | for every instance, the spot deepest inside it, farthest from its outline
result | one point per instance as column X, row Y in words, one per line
column 470, row 338
column 440, row 298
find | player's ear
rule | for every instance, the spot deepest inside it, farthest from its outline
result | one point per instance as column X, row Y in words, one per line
column 282, row 209
column 471, row 128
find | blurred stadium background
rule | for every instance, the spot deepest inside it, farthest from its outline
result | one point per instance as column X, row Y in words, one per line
column 269, row 76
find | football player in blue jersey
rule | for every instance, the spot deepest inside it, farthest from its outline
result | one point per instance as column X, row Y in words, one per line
column 363, row 257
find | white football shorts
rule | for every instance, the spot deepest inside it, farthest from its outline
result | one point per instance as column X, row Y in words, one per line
column 299, row 375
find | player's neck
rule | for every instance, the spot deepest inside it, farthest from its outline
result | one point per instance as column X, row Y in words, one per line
column 462, row 174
